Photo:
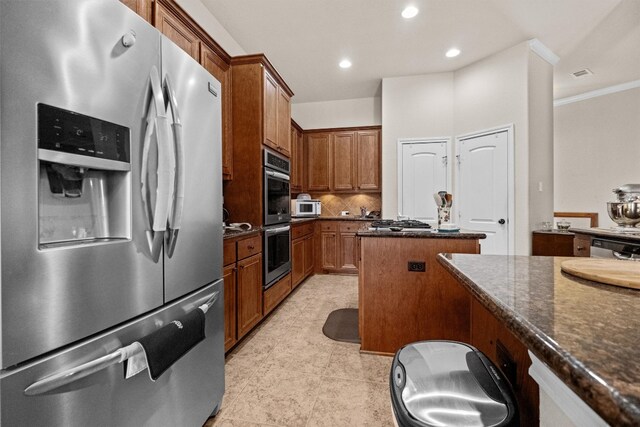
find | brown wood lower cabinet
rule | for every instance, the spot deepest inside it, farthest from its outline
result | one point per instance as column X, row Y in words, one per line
column 491, row 337
column 249, row 293
column 302, row 252
column 552, row 243
column 582, row 245
column 338, row 250
column 405, row 295
column 276, row 293
column 242, row 287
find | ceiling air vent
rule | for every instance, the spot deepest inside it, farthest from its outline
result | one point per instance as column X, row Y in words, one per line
column 582, row 73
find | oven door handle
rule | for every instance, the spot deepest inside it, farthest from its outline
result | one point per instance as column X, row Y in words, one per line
column 278, row 175
column 624, row 256
column 277, row 230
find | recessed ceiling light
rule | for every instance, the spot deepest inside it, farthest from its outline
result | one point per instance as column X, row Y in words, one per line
column 452, row 53
column 409, row 12
column 345, row 63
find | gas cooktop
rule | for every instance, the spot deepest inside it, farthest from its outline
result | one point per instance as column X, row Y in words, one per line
column 408, row 224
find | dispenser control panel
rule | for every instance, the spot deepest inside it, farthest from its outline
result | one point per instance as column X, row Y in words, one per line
column 70, row 132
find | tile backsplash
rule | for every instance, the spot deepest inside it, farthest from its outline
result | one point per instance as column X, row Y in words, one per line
column 333, row 204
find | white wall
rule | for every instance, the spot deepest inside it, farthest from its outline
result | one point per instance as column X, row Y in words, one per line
column 341, row 113
column 597, row 148
column 211, row 25
column 412, row 107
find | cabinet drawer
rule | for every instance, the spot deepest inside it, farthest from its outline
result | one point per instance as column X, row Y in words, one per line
column 249, row 246
column 349, row 226
column 298, row 231
column 229, row 252
column 329, row 226
column 276, row 293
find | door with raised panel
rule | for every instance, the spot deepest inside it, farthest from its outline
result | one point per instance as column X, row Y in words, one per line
column 249, row 293
column 368, row 160
column 229, row 277
column 422, row 171
column 308, row 255
column 329, row 249
column 483, row 189
column 284, row 123
column 176, row 31
column 348, row 251
column 344, row 161
column 297, row 261
column 318, row 161
column 270, row 111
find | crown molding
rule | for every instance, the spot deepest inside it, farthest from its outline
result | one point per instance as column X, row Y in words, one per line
column 598, row 92
column 543, row 52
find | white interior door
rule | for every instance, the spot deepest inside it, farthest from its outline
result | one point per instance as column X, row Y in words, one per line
column 483, row 189
column 422, row 172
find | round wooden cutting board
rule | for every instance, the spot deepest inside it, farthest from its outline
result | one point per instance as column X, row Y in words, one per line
column 608, row 271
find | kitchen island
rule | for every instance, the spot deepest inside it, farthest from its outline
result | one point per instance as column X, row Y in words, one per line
column 404, row 294
column 588, row 334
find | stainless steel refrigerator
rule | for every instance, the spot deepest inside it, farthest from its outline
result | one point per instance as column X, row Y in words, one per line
column 110, row 214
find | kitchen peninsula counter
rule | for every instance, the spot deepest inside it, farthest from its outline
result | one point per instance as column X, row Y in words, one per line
column 404, row 294
column 610, row 233
column 423, row 234
column 587, row 333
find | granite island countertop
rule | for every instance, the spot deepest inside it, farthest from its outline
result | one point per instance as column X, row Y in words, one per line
column 587, row 333
column 432, row 234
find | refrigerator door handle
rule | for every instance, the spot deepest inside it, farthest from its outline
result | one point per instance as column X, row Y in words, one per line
column 68, row 376
column 175, row 218
column 157, row 218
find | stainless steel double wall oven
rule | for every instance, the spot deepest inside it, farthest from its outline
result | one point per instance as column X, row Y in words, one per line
column 277, row 215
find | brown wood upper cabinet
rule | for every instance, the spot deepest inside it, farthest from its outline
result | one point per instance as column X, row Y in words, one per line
column 174, row 23
column 344, row 160
column 261, row 103
column 219, row 69
column 297, row 159
column 176, row 30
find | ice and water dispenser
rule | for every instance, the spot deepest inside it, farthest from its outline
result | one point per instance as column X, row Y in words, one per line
column 85, row 179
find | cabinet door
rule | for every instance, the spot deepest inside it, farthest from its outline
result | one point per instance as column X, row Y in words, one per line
column 284, row 123
column 296, row 185
column 249, row 293
column 176, row 31
column 270, row 111
column 318, row 161
column 220, row 70
column 344, row 161
column 348, row 251
column 308, row 255
column 368, row 160
column 297, row 261
column 329, row 249
column 229, row 277
column 141, row 7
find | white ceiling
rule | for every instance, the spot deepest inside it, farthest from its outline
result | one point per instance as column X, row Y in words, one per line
column 305, row 39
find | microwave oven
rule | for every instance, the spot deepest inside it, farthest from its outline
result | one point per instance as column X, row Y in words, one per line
column 305, row 208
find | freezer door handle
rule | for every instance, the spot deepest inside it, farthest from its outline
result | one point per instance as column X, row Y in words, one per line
column 158, row 124
column 68, row 376
column 175, row 218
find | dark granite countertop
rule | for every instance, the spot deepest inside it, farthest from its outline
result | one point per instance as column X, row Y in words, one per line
column 346, row 218
column 300, row 220
column 232, row 234
column 423, row 234
column 609, row 233
column 587, row 333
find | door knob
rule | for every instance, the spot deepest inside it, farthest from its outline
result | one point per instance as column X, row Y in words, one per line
column 501, row 221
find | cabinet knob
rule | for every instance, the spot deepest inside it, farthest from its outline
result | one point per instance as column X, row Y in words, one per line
column 580, row 248
column 251, row 247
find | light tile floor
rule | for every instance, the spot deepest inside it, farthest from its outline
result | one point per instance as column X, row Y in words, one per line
column 287, row 373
